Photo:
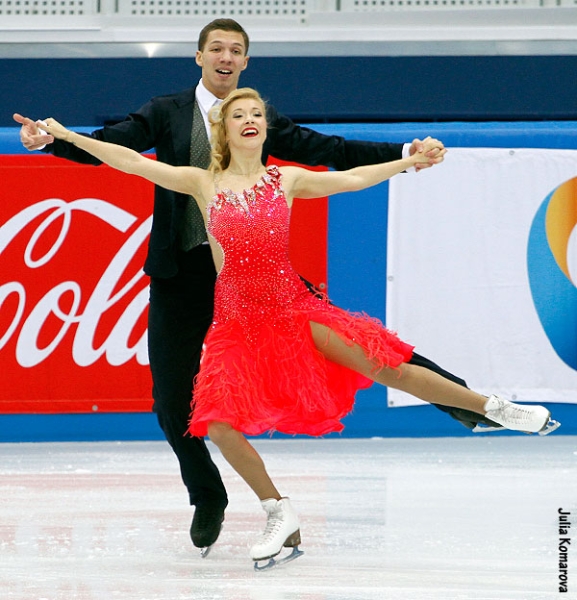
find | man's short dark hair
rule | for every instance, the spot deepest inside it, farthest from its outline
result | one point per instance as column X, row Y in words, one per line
column 222, row 25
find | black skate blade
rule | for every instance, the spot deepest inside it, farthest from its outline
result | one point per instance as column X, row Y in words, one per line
column 274, row 562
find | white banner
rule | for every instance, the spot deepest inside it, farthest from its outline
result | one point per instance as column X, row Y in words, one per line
column 482, row 270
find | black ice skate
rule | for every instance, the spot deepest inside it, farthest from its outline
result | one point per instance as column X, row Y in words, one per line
column 206, row 527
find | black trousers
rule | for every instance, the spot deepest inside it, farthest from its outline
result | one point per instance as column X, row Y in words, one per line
column 180, row 314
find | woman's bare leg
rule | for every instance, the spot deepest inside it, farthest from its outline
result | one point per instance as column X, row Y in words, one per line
column 282, row 525
column 417, row 381
column 243, row 458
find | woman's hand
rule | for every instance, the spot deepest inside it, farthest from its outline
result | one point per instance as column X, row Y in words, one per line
column 431, row 150
column 54, row 128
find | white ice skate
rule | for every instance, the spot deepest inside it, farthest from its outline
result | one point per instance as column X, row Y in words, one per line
column 281, row 531
column 527, row 418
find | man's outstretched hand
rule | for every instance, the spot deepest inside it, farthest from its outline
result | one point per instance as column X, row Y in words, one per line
column 31, row 136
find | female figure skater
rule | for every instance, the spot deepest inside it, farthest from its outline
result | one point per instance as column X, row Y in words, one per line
column 277, row 357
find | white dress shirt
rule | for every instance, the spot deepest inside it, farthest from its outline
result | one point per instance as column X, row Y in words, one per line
column 206, row 100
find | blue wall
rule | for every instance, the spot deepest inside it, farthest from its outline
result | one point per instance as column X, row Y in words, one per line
column 314, row 89
column 350, row 243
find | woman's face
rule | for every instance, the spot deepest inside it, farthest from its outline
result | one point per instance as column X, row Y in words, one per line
column 245, row 123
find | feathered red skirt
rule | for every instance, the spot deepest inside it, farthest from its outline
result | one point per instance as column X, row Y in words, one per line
column 266, row 374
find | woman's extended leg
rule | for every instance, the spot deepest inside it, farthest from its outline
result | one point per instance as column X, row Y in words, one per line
column 427, row 385
column 282, row 527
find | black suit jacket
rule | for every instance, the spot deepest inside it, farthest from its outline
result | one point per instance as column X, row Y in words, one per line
column 165, row 123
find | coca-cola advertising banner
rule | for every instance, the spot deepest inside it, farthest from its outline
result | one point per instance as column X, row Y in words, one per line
column 73, row 296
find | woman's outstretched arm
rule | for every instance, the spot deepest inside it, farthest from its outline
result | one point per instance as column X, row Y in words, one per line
column 187, row 180
column 303, row 183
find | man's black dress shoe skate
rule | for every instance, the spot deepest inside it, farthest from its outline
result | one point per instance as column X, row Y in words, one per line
column 206, row 525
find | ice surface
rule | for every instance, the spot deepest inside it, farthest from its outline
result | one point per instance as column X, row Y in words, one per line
column 381, row 519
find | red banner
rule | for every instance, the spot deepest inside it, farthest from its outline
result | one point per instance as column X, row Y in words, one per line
column 73, row 297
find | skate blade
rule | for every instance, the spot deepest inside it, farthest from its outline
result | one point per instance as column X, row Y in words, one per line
column 550, row 427
column 274, row 562
column 486, row 428
column 204, row 552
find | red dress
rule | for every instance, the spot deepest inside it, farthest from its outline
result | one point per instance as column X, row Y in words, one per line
column 260, row 370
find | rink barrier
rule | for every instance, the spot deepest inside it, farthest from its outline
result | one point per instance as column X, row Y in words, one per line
column 350, row 241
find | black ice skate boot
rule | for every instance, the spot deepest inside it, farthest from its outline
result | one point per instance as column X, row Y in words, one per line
column 206, row 526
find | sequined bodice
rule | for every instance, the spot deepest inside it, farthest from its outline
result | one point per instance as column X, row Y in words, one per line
column 256, row 280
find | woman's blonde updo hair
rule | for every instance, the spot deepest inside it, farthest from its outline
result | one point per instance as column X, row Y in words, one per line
column 220, row 152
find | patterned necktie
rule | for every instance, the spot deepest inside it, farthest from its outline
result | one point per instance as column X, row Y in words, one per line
column 193, row 232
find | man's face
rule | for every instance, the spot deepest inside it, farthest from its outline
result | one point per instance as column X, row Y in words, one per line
column 222, row 60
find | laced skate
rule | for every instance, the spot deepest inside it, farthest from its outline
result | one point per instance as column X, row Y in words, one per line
column 281, row 531
column 526, row 418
